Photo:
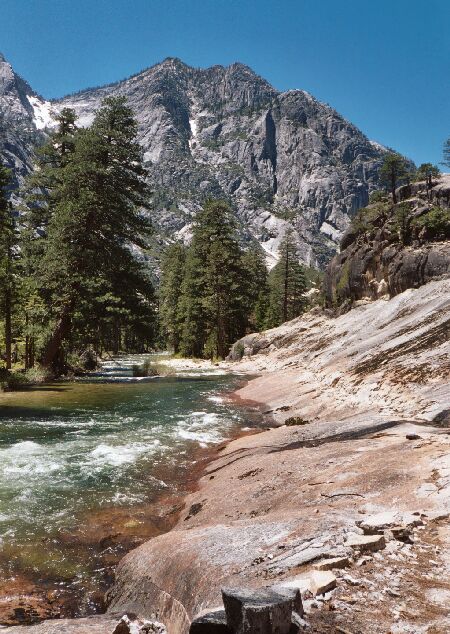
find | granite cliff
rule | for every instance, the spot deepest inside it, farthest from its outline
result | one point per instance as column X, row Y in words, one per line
column 390, row 248
column 21, row 121
column 222, row 132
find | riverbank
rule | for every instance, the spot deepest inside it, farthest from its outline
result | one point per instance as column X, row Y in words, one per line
column 360, row 475
column 123, row 455
column 371, row 388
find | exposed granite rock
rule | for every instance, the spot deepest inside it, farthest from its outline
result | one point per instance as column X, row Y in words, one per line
column 380, row 261
column 103, row 624
column 264, row 611
column 225, row 132
column 367, row 543
column 20, row 130
column 99, row 624
column 364, row 379
column 210, row 623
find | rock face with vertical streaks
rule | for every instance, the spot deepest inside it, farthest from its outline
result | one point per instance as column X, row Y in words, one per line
column 226, row 133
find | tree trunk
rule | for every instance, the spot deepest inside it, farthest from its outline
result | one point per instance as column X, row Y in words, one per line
column 52, row 352
column 286, row 286
column 393, row 188
column 8, row 332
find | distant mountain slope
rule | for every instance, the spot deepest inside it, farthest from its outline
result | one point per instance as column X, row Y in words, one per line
column 19, row 126
column 225, row 132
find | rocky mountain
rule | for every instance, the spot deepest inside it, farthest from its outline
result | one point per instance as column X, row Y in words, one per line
column 390, row 248
column 223, row 132
column 21, row 121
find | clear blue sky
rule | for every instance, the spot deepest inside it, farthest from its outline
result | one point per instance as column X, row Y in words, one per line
column 383, row 64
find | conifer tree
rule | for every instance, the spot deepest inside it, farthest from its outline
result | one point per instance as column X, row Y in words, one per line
column 257, row 289
column 41, row 187
column 287, row 284
column 7, row 261
column 392, row 171
column 170, row 312
column 213, row 303
column 87, row 268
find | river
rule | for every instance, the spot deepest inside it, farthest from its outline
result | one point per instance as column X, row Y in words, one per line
column 80, row 465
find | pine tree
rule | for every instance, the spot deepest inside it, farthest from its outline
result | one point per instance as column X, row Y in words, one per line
column 213, row 305
column 257, row 289
column 287, row 284
column 170, row 313
column 392, row 171
column 95, row 203
column 7, row 261
column 41, row 188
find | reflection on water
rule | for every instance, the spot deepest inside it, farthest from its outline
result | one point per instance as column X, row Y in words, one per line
column 110, row 441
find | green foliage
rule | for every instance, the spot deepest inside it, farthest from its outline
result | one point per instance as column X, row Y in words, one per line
column 287, row 284
column 343, row 281
column 212, row 143
column 17, row 380
column 401, row 222
column 9, row 283
column 170, row 313
column 83, row 213
column 13, row 381
column 145, row 369
column 367, row 218
column 435, row 223
column 295, row 420
column 213, row 306
column 426, row 172
column 214, row 291
column 393, row 171
column 36, row 375
column 256, row 291
column 377, row 197
column 239, row 350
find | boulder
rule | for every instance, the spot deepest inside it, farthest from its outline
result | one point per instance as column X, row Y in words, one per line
column 322, row 581
column 264, row 611
column 131, row 624
column 375, row 524
column 330, row 564
column 367, row 543
column 210, row 623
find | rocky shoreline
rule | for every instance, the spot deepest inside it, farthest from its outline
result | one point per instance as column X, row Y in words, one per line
column 348, row 500
column 105, row 535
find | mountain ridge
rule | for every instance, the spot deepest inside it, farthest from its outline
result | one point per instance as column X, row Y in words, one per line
column 280, row 158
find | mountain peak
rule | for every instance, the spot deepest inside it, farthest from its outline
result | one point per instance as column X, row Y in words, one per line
column 173, row 62
column 225, row 132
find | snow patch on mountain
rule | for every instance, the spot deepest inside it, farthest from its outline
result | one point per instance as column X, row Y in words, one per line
column 43, row 115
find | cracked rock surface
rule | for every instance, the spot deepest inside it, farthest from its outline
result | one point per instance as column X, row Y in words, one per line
column 276, row 504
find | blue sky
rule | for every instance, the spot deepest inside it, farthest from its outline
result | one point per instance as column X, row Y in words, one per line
column 384, row 64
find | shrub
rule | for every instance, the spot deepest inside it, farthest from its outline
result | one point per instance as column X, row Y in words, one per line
column 238, row 350
column 37, row 375
column 402, row 221
column 295, row 420
column 145, row 369
column 436, row 222
column 367, row 218
column 378, row 196
column 14, row 381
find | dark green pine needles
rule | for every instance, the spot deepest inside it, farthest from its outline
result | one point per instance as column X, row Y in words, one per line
column 83, row 218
